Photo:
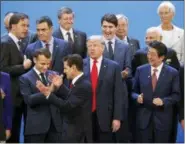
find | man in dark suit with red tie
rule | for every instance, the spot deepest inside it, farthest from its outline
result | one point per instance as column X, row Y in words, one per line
column 76, row 38
column 13, row 62
column 108, row 91
column 156, row 91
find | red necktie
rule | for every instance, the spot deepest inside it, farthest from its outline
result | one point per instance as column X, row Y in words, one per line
column 71, row 86
column 154, row 79
column 94, row 80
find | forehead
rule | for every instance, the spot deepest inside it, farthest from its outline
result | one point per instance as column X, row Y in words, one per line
column 164, row 8
column 151, row 33
column 122, row 21
column 23, row 21
column 106, row 23
column 43, row 58
column 66, row 15
column 152, row 50
column 94, row 41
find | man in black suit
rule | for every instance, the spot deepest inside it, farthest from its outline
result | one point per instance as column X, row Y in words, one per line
column 43, row 121
column 122, row 34
column 140, row 57
column 2, row 128
column 13, row 62
column 30, row 38
column 76, row 107
column 66, row 31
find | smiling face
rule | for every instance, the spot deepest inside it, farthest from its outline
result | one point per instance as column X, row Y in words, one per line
column 108, row 30
column 42, row 63
column 66, row 21
column 122, row 29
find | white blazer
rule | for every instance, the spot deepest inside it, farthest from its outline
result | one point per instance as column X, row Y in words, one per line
column 177, row 41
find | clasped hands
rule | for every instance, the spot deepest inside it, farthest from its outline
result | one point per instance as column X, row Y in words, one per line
column 56, row 82
column 156, row 101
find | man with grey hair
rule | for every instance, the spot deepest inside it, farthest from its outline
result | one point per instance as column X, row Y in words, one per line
column 140, row 57
column 122, row 33
column 173, row 36
column 109, row 92
column 76, row 38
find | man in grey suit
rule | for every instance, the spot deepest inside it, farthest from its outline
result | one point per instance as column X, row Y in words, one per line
column 66, row 31
column 122, row 34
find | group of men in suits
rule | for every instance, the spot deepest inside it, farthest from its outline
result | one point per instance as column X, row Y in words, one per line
column 95, row 108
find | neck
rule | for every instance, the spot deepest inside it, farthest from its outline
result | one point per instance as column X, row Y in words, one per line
column 167, row 26
column 14, row 34
column 77, row 73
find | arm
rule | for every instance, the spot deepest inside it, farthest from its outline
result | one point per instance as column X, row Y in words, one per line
column 30, row 98
column 5, row 57
column 8, row 104
column 128, row 61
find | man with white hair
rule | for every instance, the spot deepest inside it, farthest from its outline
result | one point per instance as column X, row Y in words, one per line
column 140, row 57
column 173, row 36
column 122, row 33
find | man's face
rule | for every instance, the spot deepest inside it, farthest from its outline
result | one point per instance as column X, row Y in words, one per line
column 122, row 29
column 68, row 70
column 166, row 15
column 151, row 36
column 153, row 58
column 108, row 30
column 44, row 32
column 66, row 21
column 42, row 63
column 95, row 48
column 21, row 29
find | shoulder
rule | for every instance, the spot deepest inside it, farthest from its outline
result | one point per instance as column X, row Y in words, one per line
column 170, row 69
column 4, row 75
column 143, row 67
column 79, row 32
column 60, row 41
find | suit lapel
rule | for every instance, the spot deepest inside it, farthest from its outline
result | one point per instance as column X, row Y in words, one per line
column 106, row 53
column 149, row 78
column 60, row 34
column 87, row 67
column 102, row 73
column 117, row 51
column 55, row 50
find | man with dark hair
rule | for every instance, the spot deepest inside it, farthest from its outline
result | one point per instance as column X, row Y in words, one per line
column 118, row 51
column 76, row 107
column 156, row 91
column 5, row 107
column 13, row 62
column 76, row 38
column 43, row 121
column 58, row 48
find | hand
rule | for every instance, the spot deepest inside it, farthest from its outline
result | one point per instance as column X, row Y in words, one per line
column 27, row 63
column 124, row 73
column 8, row 134
column 116, row 125
column 182, row 124
column 2, row 94
column 157, row 102
column 45, row 90
column 140, row 98
column 57, row 80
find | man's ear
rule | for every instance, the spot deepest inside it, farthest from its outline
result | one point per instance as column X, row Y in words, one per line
column 34, row 60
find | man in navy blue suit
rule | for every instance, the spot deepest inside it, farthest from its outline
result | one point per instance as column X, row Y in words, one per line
column 5, row 107
column 43, row 121
column 156, row 91
column 76, row 38
column 58, row 48
column 108, row 92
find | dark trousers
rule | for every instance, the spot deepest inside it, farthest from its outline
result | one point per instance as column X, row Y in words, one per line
column 52, row 136
column 98, row 135
column 2, row 129
column 16, row 123
column 152, row 135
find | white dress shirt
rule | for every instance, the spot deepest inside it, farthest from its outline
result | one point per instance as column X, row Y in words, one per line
column 76, row 78
column 51, row 44
column 64, row 33
column 107, row 43
column 98, row 64
column 159, row 68
column 15, row 39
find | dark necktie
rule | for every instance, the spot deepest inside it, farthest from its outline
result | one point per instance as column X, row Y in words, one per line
column 111, row 54
column 94, row 81
column 154, row 79
column 43, row 79
column 47, row 45
column 69, row 37
column 20, row 43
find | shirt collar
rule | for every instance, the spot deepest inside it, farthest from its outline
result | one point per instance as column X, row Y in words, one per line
column 112, row 40
column 64, row 32
column 15, row 39
column 158, row 68
column 50, row 42
column 37, row 71
column 98, row 60
column 76, row 78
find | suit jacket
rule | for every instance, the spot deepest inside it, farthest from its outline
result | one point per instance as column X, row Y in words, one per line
column 140, row 58
column 60, row 50
column 7, row 101
column 133, row 45
column 79, row 45
column 11, row 61
column 167, row 89
column 177, row 42
column 76, row 110
column 110, row 93
column 122, row 55
column 2, row 128
column 181, row 102
column 40, row 112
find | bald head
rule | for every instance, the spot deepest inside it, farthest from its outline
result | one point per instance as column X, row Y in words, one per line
column 153, row 34
column 7, row 20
